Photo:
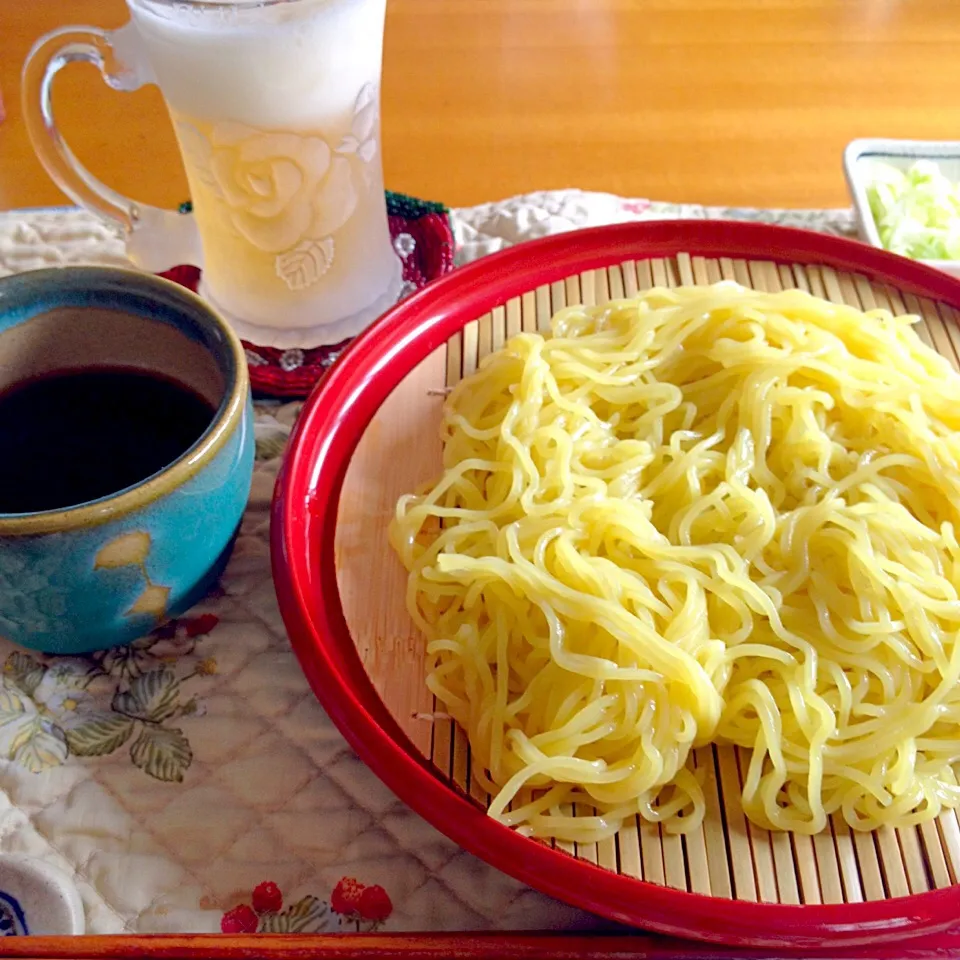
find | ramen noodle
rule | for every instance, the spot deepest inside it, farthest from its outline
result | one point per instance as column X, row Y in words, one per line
column 705, row 515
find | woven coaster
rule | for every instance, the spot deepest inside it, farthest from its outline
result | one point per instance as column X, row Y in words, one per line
column 424, row 242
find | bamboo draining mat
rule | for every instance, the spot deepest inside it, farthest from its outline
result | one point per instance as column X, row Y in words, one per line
column 728, row 856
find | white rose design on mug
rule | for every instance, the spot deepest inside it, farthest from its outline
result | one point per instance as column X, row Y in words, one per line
column 286, row 194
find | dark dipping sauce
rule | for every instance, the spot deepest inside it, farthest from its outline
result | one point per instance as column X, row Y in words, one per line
column 70, row 437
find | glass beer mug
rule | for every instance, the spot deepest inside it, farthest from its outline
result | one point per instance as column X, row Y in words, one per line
column 275, row 104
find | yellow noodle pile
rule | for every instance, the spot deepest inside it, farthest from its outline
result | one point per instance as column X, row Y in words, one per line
column 707, row 515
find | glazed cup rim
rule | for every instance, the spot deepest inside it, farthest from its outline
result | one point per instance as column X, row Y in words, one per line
column 229, row 413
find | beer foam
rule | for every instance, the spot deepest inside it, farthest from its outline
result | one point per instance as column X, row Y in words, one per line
column 286, row 66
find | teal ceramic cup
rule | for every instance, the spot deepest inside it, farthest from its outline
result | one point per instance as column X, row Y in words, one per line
column 105, row 572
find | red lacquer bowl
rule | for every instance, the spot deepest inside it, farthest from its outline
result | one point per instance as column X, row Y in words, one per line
column 305, row 517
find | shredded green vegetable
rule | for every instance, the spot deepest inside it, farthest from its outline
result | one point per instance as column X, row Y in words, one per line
column 917, row 211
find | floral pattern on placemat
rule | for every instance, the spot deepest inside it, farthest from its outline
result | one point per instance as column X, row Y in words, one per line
column 55, row 707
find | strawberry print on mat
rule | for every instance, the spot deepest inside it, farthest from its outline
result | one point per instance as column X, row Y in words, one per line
column 352, row 906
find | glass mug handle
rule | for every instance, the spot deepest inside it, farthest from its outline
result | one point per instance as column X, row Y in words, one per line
column 156, row 239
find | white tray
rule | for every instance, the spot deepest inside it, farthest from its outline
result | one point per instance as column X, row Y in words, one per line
column 900, row 154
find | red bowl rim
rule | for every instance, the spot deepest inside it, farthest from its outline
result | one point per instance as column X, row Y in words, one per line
column 302, row 539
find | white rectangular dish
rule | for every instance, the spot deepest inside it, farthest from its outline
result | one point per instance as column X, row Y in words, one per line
column 900, row 154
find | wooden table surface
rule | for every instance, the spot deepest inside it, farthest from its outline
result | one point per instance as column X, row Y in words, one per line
column 742, row 102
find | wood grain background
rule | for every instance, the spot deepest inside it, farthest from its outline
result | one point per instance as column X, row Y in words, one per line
column 744, row 102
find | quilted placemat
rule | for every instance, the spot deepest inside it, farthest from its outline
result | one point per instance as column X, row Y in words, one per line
column 190, row 782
